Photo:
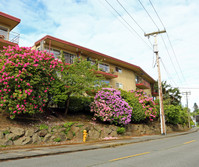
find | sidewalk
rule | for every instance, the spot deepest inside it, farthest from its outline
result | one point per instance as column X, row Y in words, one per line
column 54, row 150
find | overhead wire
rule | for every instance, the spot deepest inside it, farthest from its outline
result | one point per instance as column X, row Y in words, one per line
column 161, row 38
column 130, row 16
column 168, row 38
column 167, row 72
column 128, row 24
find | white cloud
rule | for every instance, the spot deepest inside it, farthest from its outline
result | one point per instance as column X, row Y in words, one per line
column 90, row 24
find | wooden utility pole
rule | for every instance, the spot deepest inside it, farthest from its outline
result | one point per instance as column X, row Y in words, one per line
column 155, row 49
column 187, row 94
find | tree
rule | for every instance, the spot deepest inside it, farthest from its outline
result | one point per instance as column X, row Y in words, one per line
column 195, row 109
column 173, row 94
column 75, row 79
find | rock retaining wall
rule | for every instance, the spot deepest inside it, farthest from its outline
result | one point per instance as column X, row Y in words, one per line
column 74, row 132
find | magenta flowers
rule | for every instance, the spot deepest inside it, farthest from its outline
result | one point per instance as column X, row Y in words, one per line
column 23, row 82
column 147, row 103
column 109, row 106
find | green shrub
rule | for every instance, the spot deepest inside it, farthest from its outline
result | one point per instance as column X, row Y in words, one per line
column 172, row 114
column 138, row 113
column 43, row 126
column 80, row 104
column 68, row 124
column 58, row 139
column 121, row 130
column 183, row 117
column 6, row 132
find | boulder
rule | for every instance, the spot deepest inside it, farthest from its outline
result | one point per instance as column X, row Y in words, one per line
column 29, row 132
column 36, row 139
column 17, row 131
column 61, row 130
column 47, row 138
column 11, row 136
column 70, row 135
column 93, row 134
column 42, row 133
column 1, row 135
column 23, row 141
column 4, row 142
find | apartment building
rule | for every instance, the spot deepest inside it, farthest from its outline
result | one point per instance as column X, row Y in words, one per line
column 7, row 36
column 117, row 73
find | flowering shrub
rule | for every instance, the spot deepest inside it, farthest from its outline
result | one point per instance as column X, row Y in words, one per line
column 26, row 77
column 109, row 106
column 147, row 103
column 138, row 112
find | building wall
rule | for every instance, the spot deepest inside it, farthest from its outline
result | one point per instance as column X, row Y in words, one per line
column 126, row 77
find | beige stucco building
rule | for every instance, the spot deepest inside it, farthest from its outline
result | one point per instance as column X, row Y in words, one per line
column 117, row 73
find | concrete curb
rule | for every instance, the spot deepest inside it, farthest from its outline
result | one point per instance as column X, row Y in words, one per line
column 6, row 155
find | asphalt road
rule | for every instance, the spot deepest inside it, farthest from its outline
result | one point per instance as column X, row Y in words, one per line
column 179, row 151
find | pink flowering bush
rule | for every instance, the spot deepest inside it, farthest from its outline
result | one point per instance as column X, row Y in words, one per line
column 108, row 106
column 26, row 76
column 147, row 103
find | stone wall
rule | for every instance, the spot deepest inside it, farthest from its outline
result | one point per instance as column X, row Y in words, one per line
column 74, row 132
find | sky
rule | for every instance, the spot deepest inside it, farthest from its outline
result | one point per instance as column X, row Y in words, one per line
column 111, row 30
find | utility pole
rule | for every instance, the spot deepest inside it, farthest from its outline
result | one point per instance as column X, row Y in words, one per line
column 155, row 49
column 187, row 94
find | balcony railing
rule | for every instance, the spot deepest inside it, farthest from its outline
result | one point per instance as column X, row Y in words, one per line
column 142, row 84
column 12, row 36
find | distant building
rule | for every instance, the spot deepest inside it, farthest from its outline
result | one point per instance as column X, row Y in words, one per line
column 7, row 36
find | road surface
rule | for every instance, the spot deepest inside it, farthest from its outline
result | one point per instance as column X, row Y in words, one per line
column 179, row 151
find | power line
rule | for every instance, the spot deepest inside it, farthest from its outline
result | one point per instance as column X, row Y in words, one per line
column 157, row 14
column 167, row 72
column 170, row 57
column 161, row 35
column 168, row 39
column 130, row 16
column 128, row 24
column 149, row 15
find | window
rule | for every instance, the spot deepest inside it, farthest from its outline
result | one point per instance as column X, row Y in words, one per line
column 56, row 53
column 91, row 60
column 68, row 57
column 104, row 67
column 119, row 85
column 105, row 82
column 117, row 69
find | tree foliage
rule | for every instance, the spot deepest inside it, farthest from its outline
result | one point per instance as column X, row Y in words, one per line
column 75, row 79
column 173, row 94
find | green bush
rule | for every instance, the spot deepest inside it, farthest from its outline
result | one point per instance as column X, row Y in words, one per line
column 58, row 139
column 138, row 113
column 121, row 130
column 43, row 126
column 80, row 104
column 183, row 117
column 172, row 114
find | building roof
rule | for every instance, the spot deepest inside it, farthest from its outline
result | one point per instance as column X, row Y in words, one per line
column 91, row 53
column 9, row 20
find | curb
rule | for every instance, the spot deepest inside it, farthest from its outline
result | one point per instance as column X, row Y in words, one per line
column 56, row 150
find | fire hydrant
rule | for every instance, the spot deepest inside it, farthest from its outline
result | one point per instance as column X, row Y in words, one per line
column 84, row 135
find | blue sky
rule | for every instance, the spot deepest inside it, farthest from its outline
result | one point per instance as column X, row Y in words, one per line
column 94, row 24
